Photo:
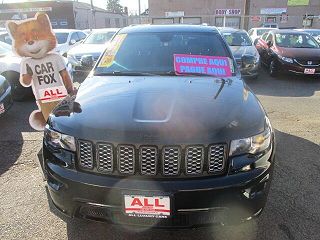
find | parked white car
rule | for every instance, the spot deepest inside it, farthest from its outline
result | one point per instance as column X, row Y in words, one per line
column 256, row 33
column 67, row 39
column 10, row 69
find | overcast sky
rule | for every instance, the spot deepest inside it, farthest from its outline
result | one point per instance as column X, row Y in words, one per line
column 131, row 4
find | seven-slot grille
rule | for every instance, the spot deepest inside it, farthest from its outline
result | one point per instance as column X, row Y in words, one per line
column 126, row 159
column 171, row 157
column 148, row 160
column 194, row 160
column 85, row 154
column 216, row 159
column 104, row 157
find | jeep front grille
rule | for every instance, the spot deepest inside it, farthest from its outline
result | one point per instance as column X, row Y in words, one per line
column 104, row 157
column 216, row 159
column 166, row 161
column 148, row 157
column 171, row 158
column 85, row 154
column 194, row 160
column 126, row 159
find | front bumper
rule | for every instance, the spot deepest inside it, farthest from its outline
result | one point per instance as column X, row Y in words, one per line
column 232, row 198
column 6, row 101
column 251, row 71
column 296, row 68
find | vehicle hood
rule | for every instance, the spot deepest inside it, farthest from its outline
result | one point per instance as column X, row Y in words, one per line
column 82, row 49
column 239, row 51
column 300, row 53
column 160, row 110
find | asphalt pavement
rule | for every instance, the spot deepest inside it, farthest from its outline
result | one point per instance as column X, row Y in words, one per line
column 293, row 207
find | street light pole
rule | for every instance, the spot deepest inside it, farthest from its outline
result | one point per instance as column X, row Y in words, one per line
column 139, row 4
column 93, row 16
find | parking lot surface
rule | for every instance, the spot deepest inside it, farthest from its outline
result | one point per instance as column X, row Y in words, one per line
column 292, row 211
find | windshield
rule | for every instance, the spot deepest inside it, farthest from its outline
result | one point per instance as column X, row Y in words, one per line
column 99, row 37
column 294, row 40
column 237, row 39
column 313, row 33
column 154, row 52
column 61, row 37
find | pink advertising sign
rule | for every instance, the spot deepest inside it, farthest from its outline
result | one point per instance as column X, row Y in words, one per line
column 211, row 65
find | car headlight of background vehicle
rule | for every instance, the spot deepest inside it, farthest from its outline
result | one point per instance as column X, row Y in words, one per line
column 72, row 59
column 286, row 59
column 257, row 58
column 58, row 140
column 254, row 144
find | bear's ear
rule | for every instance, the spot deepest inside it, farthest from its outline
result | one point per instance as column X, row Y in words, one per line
column 12, row 28
column 44, row 21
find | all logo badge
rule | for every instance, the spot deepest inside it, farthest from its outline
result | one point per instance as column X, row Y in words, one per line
column 309, row 62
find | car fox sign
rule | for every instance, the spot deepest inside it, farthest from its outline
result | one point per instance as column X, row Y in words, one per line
column 142, row 206
column 52, row 94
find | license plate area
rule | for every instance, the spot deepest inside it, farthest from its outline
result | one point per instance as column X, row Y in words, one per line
column 309, row 71
column 143, row 206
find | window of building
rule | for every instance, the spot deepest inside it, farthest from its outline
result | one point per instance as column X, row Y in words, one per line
column 107, row 22
column 124, row 22
column 117, row 20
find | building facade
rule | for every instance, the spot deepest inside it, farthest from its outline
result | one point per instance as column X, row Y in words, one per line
column 237, row 13
column 64, row 14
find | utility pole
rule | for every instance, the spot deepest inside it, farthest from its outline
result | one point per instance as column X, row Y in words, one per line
column 93, row 17
column 247, row 4
column 139, row 4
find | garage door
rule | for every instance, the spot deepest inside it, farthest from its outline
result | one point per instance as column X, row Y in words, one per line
column 162, row 20
column 233, row 22
column 191, row 20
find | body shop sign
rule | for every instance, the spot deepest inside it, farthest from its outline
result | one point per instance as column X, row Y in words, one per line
column 185, row 64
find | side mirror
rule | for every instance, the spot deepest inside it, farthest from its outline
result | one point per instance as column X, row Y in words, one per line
column 269, row 43
column 247, row 61
column 256, row 41
column 72, row 42
column 87, row 61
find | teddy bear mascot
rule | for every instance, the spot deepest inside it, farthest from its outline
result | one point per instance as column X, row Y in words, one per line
column 43, row 70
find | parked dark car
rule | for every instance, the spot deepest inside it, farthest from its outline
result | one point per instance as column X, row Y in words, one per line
column 242, row 47
column 145, row 144
column 83, row 56
column 289, row 51
column 5, row 95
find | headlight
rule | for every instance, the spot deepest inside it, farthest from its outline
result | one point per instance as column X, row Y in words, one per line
column 252, row 145
column 59, row 140
column 257, row 59
column 286, row 59
column 72, row 59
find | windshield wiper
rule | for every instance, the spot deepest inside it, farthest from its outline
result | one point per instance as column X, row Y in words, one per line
column 174, row 73
column 124, row 73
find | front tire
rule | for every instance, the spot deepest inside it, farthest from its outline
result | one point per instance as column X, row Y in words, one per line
column 273, row 71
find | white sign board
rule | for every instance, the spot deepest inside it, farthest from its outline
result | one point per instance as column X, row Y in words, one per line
column 23, row 10
column 273, row 11
column 228, row 11
column 174, row 14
